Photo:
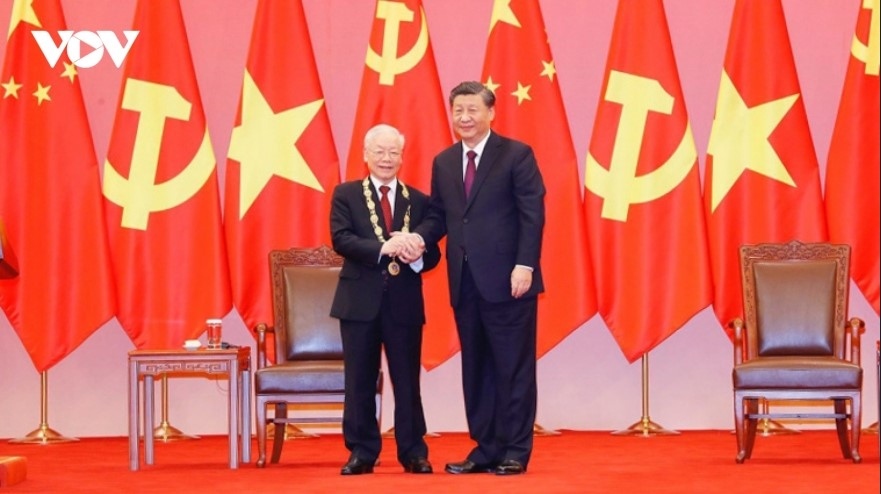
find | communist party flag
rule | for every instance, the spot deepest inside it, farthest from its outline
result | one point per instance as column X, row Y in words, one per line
column 282, row 163
column 645, row 222
column 50, row 195
column 762, row 181
column 400, row 87
column 520, row 69
column 852, row 179
column 161, row 190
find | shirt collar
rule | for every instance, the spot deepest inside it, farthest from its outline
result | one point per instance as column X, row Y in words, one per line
column 477, row 149
column 393, row 185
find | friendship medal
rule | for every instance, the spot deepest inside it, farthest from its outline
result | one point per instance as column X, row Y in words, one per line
column 394, row 268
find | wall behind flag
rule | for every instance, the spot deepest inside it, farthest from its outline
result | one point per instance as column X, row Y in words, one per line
column 584, row 383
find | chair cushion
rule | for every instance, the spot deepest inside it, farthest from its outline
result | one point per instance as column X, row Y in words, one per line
column 305, row 376
column 797, row 373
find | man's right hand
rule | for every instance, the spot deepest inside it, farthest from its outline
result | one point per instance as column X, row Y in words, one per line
column 412, row 245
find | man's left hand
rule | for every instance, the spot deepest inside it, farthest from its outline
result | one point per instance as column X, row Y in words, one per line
column 521, row 280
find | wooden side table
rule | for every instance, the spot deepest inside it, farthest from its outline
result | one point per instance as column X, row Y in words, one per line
column 234, row 363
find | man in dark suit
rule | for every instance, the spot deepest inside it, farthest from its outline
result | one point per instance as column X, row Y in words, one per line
column 487, row 197
column 379, row 303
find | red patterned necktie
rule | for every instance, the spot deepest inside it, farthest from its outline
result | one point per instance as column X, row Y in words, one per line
column 386, row 206
column 470, row 171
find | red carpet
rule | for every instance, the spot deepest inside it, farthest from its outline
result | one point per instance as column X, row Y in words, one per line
column 574, row 462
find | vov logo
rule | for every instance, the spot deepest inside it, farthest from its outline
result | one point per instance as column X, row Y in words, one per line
column 98, row 42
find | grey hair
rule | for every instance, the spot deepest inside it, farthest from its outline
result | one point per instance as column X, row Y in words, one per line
column 382, row 128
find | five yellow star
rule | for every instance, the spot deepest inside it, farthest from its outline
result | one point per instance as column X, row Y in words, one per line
column 522, row 93
column 502, row 12
column 739, row 139
column 549, row 70
column 22, row 11
column 11, row 88
column 491, row 85
column 69, row 71
column 265, row 144
column 42, row 94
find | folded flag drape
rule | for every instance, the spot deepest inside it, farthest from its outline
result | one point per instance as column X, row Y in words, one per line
column 50, row 195
column 161, row 190
column 852, row 169
column 642, row 199
column 519, row 68
column 762, row 180
column 400, row 87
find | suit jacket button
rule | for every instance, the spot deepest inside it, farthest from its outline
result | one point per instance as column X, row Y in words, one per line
column 464, row 220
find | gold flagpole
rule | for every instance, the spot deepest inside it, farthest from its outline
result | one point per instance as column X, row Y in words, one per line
column 43, row 434
column 166, row 432
column 645, row 427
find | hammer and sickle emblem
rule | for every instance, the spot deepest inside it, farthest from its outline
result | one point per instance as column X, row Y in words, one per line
column 869, row 54
column 388, row 65
column 619, row 186
column 139, row 194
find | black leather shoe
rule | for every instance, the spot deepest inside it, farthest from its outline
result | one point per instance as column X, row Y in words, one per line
column 357, row 466
column 467, row 466
column 510, row 467
column 417, row 465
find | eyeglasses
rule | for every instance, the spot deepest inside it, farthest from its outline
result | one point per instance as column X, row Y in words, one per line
column 380, row 153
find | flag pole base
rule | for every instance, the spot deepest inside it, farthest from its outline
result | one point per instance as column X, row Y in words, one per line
column 167, row 433
column 539, row 431
column 291, row 431
column 645, row 428
column 43, row 435
column 768, row 428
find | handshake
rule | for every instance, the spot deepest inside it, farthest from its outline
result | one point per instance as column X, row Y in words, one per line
column 408, row 247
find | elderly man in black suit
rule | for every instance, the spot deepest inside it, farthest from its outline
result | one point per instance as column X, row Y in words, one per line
column 379, row 303
column 487, row 197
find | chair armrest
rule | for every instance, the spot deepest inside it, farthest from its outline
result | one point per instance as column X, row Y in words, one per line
column 261, row 329
column 739, row 341
column 856, row 326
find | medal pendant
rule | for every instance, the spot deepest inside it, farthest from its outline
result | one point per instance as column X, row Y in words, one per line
column 394, row 268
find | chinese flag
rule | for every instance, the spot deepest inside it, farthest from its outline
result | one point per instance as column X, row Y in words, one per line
column 519, row 68
column 762, row 181
column 645, row 222
column 852, row 180
column 282, row 162
column 50, row 196
column 160, row 183
column 400, row 87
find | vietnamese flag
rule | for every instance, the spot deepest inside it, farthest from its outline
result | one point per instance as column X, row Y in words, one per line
column 762, row 180
column 400, row 87
column 160, row 183
column 50, row 196
column 852, row 170
column 645, row 222
column 282, row 163
column 520, row 69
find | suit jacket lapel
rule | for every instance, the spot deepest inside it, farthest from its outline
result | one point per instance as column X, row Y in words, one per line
column 401, row 204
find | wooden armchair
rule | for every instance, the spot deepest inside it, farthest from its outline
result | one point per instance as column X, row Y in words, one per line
column 795, row 342
column 308, row 364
